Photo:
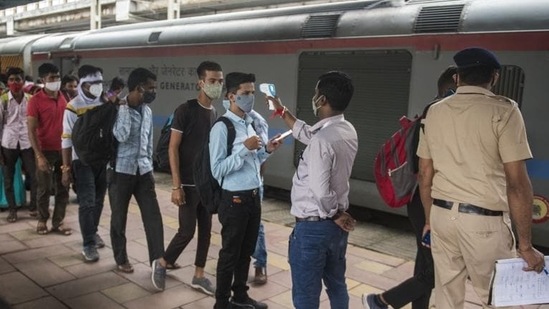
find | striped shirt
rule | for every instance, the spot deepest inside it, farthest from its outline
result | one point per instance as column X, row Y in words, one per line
column 75, row 108
column 133, row 130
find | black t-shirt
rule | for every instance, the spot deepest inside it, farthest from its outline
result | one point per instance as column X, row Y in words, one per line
column 194, row 121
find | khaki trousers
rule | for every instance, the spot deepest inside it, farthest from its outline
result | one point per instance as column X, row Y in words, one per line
column 467, row 245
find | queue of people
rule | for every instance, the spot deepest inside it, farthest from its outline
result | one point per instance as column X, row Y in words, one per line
column 472, row 180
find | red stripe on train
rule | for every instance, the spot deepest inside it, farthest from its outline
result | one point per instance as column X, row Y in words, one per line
column 515, row 41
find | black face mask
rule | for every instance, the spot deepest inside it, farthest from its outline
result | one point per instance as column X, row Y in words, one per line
column 148, row 97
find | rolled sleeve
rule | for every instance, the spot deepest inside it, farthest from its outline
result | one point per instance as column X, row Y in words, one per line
column 423, row 150
column 122, row 125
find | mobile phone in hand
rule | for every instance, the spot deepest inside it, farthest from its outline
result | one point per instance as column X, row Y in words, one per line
column 283, row 136
column 426, row 240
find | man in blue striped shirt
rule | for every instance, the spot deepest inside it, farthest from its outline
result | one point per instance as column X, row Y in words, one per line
column 133, row 174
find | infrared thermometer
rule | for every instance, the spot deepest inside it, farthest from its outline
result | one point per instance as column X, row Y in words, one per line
column 268, row 90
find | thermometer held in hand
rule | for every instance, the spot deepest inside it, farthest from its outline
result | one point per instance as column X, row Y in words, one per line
column 268, row 90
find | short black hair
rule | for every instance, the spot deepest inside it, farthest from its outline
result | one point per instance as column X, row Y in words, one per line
column 117, row 83
column 233, row 80
column 47, row 68
column 29, row 78
column 476, row 76
column 68, row 79
column 15, row 71
column 446, row 80
column 207, row 66
column 87, row 69
column 338, row 89
column 139, row 76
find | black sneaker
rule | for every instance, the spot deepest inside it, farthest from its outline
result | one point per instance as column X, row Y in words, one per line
column 90, row 254
column 248, row 303
column 99, row 243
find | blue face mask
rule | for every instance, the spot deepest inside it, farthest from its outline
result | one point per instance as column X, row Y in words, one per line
column 245, row 102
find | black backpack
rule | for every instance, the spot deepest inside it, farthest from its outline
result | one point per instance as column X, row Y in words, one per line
column 209, row 190
column 92, row 136
column 162, row 157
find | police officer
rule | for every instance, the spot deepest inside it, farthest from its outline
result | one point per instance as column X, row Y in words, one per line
column 472, row 171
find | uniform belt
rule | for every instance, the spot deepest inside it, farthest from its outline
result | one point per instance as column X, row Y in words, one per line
column 252, row 192
column 468, row 208
column 311, row 219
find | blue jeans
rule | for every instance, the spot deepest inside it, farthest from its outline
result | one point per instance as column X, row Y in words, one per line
column 317, row 253
column 91, row 182
column 260, row 253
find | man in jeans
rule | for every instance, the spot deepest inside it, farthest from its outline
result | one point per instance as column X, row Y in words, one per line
column 320, row 193
column 133, row 174
column 45, row 124
column 196, row 116
column 15, row 140
column 90, row 180
column 240, row 207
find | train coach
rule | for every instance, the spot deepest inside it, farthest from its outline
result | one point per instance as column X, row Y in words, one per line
column 394, row 51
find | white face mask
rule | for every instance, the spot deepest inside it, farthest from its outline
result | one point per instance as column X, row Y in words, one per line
column 315, row 108
column 53, row 86
column 96, row 90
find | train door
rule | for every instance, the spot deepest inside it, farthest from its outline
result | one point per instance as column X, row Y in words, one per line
column 382, row 85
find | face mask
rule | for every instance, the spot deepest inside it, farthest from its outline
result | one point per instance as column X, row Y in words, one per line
column 315, row 108
column 226, row 104
column 53, row 86
column 96, row 90
column 213, row 91
column 15, row 87
column 245, row 102
column 148, row 97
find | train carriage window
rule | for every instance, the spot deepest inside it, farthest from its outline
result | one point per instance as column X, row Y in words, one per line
column 382, row 84
column 511, row 83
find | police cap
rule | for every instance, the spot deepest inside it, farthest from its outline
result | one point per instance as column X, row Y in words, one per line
column 475, row 56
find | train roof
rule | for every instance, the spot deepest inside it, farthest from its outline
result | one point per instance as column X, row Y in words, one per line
column 343, row 19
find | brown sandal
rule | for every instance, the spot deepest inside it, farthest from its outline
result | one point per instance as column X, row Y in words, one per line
column 125, row 268
column 172, row 266
column 42, row 228
column 12, row 216
column 62, row 230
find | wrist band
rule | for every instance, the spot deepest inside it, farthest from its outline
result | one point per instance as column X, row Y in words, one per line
column 176, row 188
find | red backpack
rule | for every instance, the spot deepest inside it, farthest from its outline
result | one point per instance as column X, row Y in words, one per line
column 395, row 169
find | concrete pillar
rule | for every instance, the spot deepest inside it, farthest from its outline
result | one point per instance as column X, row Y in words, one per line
column 174, row 7
column 95, row 14
column 10, row 25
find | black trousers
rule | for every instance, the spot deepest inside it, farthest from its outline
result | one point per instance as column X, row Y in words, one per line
column 10, row 160
column 416, row 289
column 121, row 188
column 239, row 215
column 191, row 214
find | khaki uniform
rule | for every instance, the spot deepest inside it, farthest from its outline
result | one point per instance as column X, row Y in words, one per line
column 469, row 136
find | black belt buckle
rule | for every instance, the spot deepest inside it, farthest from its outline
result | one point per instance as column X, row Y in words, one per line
column 468, row 208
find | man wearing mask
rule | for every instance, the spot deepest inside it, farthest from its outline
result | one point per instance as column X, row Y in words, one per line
column 320, row 193
column 45, row 125
column 69, row 87
column 196, row 116
column 15, row 140
column 90, row 180
column 132, row 174
column 240, row 207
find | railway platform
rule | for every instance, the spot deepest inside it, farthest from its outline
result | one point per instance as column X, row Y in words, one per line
column 48, row 272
